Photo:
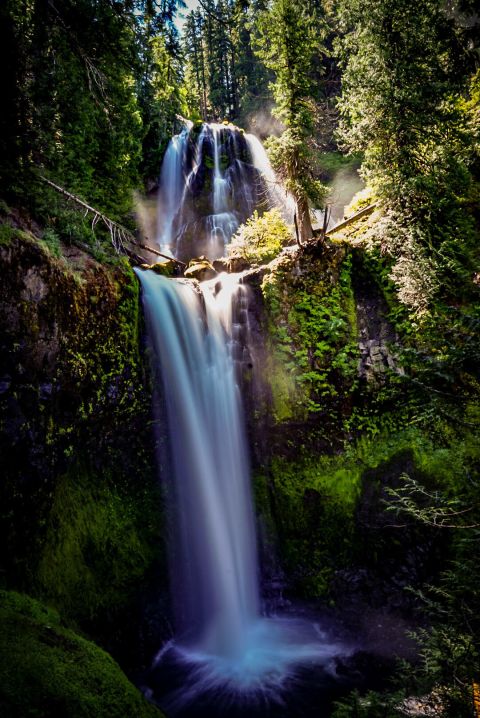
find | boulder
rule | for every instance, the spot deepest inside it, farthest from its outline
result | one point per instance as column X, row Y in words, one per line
column 200, row 268
column 165, row 269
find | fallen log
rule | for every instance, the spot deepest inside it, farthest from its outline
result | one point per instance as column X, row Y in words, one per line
column 350, row 220
column 119, row 234
column 160, row 254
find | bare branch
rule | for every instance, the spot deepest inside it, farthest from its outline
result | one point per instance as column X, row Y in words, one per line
column 120, row 236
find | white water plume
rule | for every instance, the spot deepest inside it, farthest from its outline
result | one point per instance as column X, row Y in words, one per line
column 213, row 177
column 275, row 192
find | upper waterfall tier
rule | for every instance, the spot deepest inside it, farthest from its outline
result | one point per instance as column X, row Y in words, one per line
column 213, row 177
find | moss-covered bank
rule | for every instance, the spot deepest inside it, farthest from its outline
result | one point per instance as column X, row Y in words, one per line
column 48, row 671
column 353, row 403
column 311, row 336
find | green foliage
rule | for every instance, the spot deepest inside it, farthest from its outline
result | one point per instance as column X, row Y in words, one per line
column 317, row 498
column 287, row 42
column 161, row 95
column 312, row 336
column 223, row 77
column 291, row 158
column 47, row 669
column 261, row 238
column 291, row 34
column 92, row 116
column 372, row 705
column 404, row 72
column 449, row 647
column 52, row 241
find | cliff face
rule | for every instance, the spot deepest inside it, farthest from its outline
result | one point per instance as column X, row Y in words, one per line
column 81, row 511
column 337, row 424
column 336, row 419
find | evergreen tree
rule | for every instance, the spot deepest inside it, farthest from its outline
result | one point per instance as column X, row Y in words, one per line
column 160, row 81
column 73, row 99
column 91, row 87
column 224, row 77
column 289, row 40
column 195, row 76
column 406, row 64
column 251, row 76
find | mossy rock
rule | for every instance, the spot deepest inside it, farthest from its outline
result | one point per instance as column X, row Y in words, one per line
column 48, row 671
column 164, row 269
column 102, row 538
column 330, row 512
column 81, row 519
column 312, row 360
column 200, row 268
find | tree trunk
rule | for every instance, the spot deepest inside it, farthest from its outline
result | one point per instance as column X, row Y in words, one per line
column 305, row 231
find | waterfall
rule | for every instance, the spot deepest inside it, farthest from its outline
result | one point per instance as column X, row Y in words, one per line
column 276, row 195
column 215, row 554
column 213, row 177
column 222, row 641
column 172, row 186
column 220, row 181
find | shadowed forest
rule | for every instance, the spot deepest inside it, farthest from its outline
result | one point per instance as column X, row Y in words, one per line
column 240, row 359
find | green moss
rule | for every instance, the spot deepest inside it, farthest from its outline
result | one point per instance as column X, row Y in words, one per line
column 315, row 501
column 316, row 497
column 6, row 234
column 81, row 512
column 9, row 234
column 47, row 670
column 313, row 353
column 101, row 540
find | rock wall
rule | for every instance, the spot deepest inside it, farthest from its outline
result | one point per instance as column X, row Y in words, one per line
column 81, row 516
column 330, row 434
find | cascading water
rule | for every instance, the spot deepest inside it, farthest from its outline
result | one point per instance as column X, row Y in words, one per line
column 223, row 647
column 172, row 182
column 215, row 555
column 213, row 177
column 276, row 196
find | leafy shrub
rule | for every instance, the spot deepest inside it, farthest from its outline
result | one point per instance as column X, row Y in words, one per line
column 261, row 238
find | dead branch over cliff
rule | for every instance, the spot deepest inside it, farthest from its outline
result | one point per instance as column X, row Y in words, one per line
column 122, row 238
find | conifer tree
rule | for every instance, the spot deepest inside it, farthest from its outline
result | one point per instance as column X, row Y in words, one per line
column 405, row 67
column 223, row 74
column 289, row 39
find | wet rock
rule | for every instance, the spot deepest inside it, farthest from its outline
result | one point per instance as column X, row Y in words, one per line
column 200, row 268
column 164, row 269
column 35, row 288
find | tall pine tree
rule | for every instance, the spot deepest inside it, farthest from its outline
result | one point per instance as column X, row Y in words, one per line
column 289, row 41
